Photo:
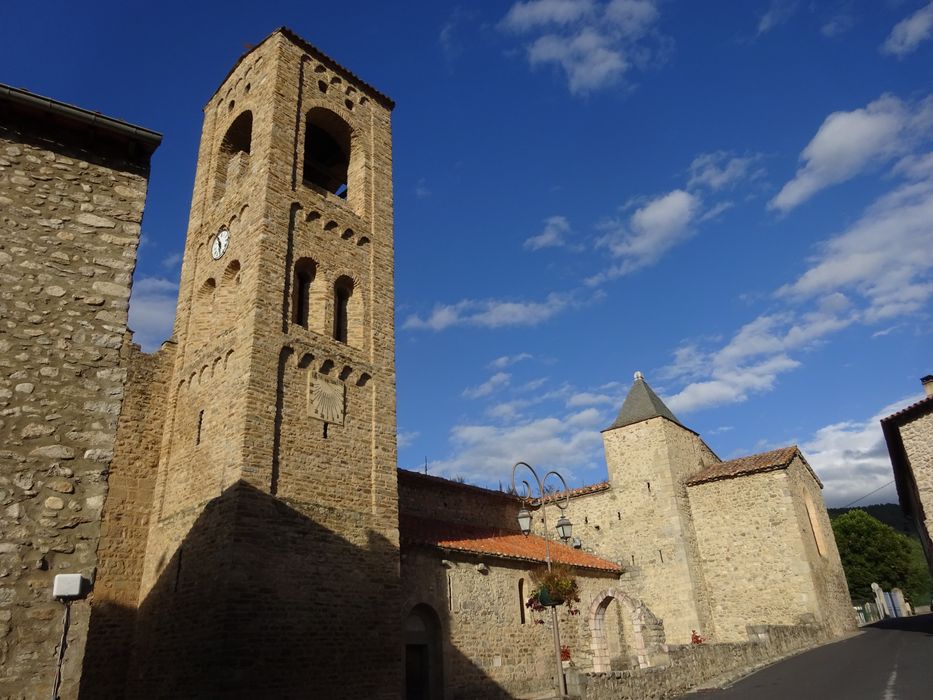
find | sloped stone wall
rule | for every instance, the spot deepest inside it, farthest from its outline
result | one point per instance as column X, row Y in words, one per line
column 69, row 228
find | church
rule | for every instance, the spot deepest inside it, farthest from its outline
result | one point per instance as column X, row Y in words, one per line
column 245, row 530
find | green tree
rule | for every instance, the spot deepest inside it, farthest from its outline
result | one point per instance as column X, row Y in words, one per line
column 873, row 552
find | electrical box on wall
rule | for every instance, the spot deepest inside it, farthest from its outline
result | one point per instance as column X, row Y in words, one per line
column 68, row 586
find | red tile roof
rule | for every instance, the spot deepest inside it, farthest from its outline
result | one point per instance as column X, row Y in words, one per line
column 495, row 542
column 926, row 402
column 753, row 464
column 580, row 491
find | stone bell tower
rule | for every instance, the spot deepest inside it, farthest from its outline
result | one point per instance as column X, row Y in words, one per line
column 272, row 560
column 649, row 454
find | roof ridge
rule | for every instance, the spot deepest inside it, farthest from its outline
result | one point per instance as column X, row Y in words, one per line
column 320, row 55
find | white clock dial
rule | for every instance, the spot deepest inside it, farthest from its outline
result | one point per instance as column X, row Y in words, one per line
column 220, row 243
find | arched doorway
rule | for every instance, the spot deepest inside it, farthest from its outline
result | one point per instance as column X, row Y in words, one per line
column 424, row 679
column 623, row 633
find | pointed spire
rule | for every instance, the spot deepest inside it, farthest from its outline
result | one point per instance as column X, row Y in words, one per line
column 641, row 404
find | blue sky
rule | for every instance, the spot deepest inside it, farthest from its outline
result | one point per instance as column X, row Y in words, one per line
column 735, row 198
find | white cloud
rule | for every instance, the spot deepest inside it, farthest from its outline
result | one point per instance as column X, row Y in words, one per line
column 753, row 359
column 652, row 230
column 886, row 256
column 509, row 360
column 486, row 453
column 491, row 313
column 587, row 398
column 722, row 169
column 523, row 16
column 847, row 143
column 171, row 261
column 554, row 234
column 593, row 43
column 837, row 25
column 406, row 438
column 421, row 189
column 497, row 381
column 910, row 32
column 633, row 17
column 851, row 458
column 152, row 311
column 779, row 12
column 588, row 58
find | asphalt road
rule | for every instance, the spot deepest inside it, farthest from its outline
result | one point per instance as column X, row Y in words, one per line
column 891, row 660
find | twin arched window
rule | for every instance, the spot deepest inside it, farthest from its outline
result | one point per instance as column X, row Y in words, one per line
column 308, row 304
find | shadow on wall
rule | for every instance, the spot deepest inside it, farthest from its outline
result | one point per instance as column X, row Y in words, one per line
column 260, row 601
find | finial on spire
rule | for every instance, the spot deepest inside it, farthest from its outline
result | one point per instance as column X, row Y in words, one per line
column 639, row 376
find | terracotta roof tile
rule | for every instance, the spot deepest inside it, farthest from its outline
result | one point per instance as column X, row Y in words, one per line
column 752, row 464
column 580, row 491
column 926, row 402
column 495, row 542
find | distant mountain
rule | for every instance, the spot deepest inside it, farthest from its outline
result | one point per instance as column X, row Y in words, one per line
column 888, row 513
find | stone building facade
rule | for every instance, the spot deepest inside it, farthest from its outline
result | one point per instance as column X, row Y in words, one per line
column 244, row 522
column 72, row 188
column 909, row 436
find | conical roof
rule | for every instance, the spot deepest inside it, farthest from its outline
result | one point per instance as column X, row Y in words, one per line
column 641, row 404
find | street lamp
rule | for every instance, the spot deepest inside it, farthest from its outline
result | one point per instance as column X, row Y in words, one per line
column 564, row 530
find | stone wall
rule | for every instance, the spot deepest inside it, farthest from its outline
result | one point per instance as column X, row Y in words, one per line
column 432, row 497
column 753, row 553
column 833, row 606
column 917, row 436
column 645, row 522
column 125, row 521
column 693, row 665
column 70, row 211
column 495, row 647
column 275, row 522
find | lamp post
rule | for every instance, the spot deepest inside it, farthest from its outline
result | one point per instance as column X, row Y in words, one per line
column 564, row 529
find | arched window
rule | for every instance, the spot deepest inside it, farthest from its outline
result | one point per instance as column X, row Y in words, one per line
column 343, row 291
column 301, row 294
column 235, row 147
column 327, row 151
column 521, row 600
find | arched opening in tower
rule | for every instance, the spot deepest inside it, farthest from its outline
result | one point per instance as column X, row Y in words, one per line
column 327, row 151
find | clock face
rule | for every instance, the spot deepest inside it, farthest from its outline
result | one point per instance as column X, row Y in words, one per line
column 220, row 243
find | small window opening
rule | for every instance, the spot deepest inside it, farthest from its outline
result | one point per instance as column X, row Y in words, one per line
column 181, row 551
column 301, row 294
column 521, row 600
column 619, row 513
column 661, row 556
column 343, row 290
column 633, row 560
column 325, row 430
column 450, row 594
column 649, row 486
column 327, row 151
column 197, row 440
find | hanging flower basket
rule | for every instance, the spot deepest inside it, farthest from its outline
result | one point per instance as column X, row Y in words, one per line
column 545, row 598
column 554, row 587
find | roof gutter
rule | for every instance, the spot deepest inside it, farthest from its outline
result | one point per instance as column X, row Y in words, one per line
column 148, row 138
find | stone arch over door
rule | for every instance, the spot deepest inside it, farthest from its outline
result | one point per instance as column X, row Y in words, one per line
column 647, row 631
column 424, row 673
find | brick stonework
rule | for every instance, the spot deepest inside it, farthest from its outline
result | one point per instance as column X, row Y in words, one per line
column 917, row 438
column 249, row 544
column 71, row 203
